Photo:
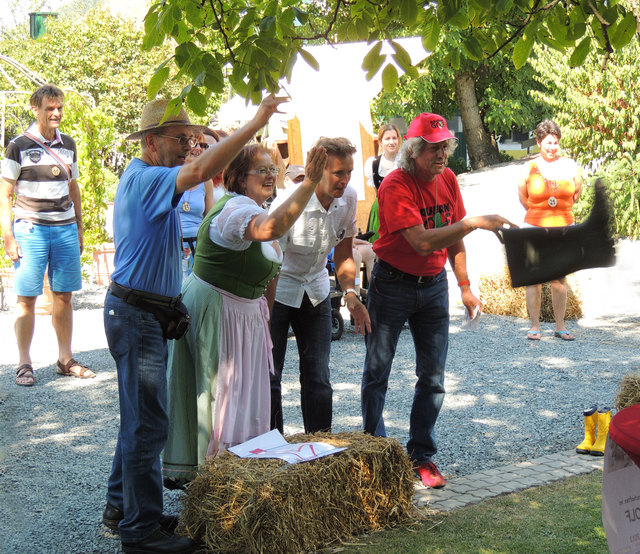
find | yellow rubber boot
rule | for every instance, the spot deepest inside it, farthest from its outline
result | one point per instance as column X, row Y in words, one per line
column 604, row 418
column 590, row 424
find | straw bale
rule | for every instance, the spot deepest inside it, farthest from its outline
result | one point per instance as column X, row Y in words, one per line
column 628, row 391
column 500, row 298
column 257, row 505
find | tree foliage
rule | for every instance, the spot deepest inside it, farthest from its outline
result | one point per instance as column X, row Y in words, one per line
column 260, row 42
column 98, row 60
column 503, row 92
column 100, row 55
column 599, row 113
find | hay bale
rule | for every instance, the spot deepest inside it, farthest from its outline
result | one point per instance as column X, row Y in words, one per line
column 628, row 391
column 499, row 298
column 256, row 505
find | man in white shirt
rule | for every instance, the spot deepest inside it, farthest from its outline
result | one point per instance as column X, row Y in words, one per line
column 302, row 294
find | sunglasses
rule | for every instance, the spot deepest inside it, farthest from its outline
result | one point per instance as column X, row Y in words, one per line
column 202, row 145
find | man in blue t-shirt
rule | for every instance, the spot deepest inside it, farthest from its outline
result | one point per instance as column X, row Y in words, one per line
column 145, row 285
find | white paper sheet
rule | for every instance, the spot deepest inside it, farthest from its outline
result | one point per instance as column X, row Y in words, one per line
column 273, row 445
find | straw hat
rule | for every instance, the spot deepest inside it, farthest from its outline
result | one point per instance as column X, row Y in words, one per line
column 152, row 115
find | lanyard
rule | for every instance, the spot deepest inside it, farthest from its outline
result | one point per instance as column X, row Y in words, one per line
column 52, row 153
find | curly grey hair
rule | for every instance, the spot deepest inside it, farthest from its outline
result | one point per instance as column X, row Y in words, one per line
column 412, row 148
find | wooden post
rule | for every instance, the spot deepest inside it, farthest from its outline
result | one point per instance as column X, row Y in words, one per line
column 296, row 156
column 367, row 143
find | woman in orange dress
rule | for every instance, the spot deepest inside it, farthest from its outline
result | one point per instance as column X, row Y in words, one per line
column 548, row 189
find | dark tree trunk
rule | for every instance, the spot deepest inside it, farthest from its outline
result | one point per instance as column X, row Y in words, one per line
column 483, row 150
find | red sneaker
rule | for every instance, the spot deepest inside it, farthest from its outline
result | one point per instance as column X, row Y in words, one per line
column 430, row 475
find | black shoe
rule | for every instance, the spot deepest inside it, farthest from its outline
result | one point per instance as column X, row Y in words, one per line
column 159, row 542
column 178, row 484
column 112, row 516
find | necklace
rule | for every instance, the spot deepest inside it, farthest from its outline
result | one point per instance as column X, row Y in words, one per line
column 186, row 207
column 551, row 184
column 553, row 188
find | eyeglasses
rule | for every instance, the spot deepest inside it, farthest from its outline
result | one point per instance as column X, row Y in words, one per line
column 264, row 171
column 182, row 141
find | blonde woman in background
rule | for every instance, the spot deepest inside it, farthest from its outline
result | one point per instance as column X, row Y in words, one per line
column 377, row 167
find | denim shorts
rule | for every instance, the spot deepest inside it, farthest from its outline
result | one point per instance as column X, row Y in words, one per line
column 55, row 246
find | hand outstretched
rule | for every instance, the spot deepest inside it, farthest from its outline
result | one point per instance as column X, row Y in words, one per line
column 490, row 222
column 268, row 107
column 316, row 162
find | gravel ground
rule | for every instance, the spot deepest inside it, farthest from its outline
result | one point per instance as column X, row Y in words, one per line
column 508, row 400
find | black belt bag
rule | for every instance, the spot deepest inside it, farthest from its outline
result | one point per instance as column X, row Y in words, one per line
column 170, row 312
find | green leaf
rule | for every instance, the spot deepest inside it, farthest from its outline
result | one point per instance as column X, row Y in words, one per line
column 502, row 6
column 181, row 32
column 375, row 68
column 401, row 55
column 198, row 80
column 287, row 66
column 362, row 28
column 460, row 19
column 546, row 38
column 185, row 52
column 271, row 9
column 197, row 102
column 173, row 108
column 309, row 59
column 156, row 82
column 267, row 25
column 301, row 15
column 521, row 51
column 580, row 53
column 214, row 80
column 408, row 12
column 389, row 78
column 194, row 14
column 372, row 56
column 472, row 48
column 624, row 32
column 150, row 22
column 431, row 34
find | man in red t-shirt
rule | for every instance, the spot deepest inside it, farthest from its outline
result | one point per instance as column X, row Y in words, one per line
column 422, row 223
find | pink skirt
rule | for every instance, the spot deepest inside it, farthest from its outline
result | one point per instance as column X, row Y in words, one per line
column 243, row 392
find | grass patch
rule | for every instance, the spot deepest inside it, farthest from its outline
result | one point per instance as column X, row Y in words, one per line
column 562, row 517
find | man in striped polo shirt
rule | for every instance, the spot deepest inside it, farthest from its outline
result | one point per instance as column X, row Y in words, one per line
column 40, row 170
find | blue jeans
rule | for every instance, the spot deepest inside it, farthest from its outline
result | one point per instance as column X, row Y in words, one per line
column 135, row 485
column 312, row 328
column 392, row 300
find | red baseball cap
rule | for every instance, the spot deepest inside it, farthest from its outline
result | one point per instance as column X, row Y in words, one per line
column 624, row 430
column 431, row 127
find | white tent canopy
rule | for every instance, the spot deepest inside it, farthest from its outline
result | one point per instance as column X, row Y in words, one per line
column 333, row 101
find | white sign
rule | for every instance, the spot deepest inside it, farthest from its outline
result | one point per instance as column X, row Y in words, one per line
column 620, row 500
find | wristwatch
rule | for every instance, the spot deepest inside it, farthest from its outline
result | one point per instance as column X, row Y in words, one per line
column 347, row 291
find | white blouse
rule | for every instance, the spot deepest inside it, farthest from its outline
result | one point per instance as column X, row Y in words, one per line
column 228, row 227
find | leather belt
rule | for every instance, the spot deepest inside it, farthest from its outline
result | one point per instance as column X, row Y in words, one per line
column 415, row 278
column 138, row 297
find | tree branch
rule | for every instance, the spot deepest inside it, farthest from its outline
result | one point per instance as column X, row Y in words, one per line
column 598, row 15
column 222, row 30
column 520, row 28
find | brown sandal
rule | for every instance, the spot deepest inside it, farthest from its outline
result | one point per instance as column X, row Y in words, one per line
column 24, row 376
column 82, row 373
